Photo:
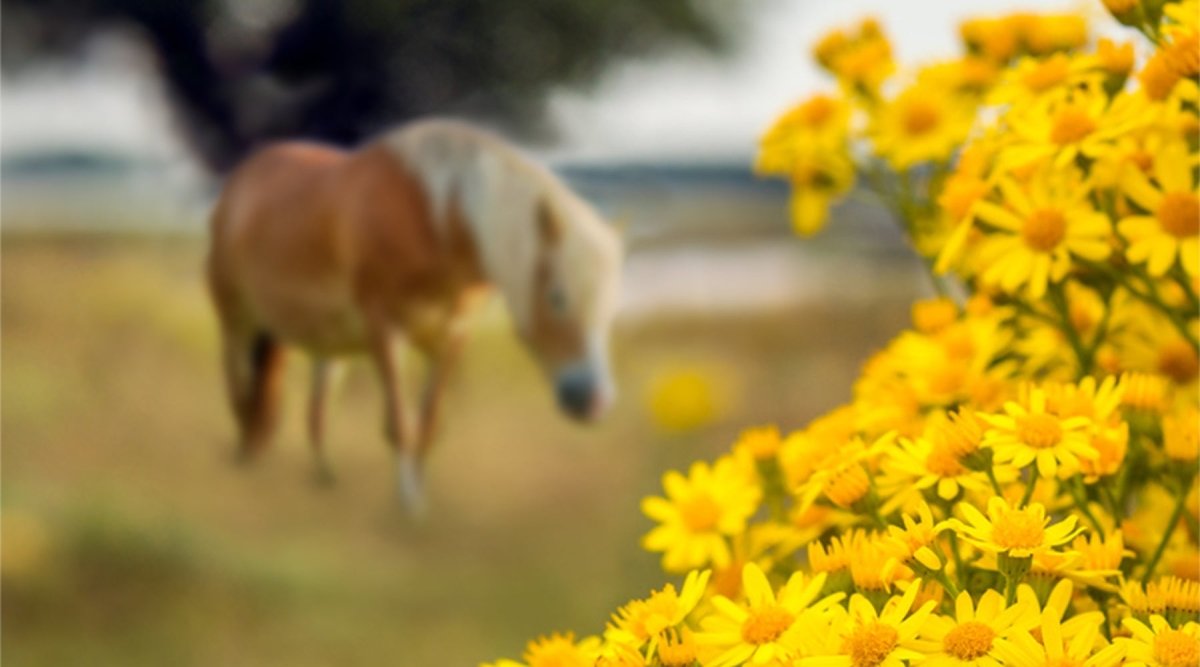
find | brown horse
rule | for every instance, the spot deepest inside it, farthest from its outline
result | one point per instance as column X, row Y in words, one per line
column 340, row 252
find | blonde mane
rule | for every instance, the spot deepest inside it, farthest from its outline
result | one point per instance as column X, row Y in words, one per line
column 498, row 191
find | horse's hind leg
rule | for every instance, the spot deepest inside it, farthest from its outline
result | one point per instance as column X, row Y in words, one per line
column 324, row 375
column 254, row 376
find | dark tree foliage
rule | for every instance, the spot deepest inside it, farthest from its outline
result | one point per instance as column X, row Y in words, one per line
column 339, row 70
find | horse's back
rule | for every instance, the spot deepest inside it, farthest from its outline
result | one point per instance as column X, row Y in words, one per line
column 277, row 259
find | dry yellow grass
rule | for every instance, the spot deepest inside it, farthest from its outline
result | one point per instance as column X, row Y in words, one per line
column 138, row 541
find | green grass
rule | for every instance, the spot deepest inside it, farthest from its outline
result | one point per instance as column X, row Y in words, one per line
column 151, row 547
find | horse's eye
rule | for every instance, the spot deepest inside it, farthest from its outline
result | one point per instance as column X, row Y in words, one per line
column 557, row 299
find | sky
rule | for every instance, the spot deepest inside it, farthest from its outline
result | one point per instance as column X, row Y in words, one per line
column 673, row 108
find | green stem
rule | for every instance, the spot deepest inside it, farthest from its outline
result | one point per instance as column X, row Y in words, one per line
column 1010, row 591
column 959, row 571
column 991, row 475
column 1033, row 478
column 1080, row 496
column 1117, row 511
column 1180, row 503
column 1082, row 354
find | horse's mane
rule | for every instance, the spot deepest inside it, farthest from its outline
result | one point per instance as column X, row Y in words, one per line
column 497, row 189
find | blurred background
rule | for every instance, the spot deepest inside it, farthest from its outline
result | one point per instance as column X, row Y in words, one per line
column 130, row 538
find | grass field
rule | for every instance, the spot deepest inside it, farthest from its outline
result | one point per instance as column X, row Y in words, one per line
column 131, row 538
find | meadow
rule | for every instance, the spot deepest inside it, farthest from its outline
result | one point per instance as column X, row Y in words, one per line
column 132, row 538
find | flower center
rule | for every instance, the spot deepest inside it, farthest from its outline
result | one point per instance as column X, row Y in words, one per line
column 943, row 463
column 1179, row 214
column 1039, row 431
column 870, row 645
column 1016, row 529
column 969, row 641
column 1046, row 74
column 700, row 513
column 1044, row 229
column 1071, row 125
column 1173, row 648
column 765, row 625
column 1177, row 360
column 920, row 118
column 815, row 112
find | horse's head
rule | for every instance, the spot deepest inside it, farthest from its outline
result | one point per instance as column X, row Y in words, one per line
column 576, row 279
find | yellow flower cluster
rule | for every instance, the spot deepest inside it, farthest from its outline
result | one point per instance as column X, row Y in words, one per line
column 1014, row 479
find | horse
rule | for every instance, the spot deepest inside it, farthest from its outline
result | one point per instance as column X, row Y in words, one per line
column 350, row 252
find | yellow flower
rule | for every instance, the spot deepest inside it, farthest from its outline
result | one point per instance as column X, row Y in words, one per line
column 1029, row 433
column 1099, row 559
column 864, row 638
column 861, row 60
column 873, row 566
column 1034, row 80
column 558, row 650
column 640, row 621
column 685, row 398
column 1160, row 645
column 1083, row 123
column 971, row 636
column 678, row 649
column 1016, row 532
column 1145, row 392
column 1115, row 59
column 932, row 462
column 758, row 444
column 912, row 543
column 1181, row 436
column 1039, row 230
column 1171, row 228
column 1059, row 645
column 765, row 627
column 700, row 513
column 921, row 124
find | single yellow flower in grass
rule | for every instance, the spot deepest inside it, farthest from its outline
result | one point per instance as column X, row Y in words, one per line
column 765, row 627
column 1039, row 230
column 970, row 636
column 644, row 620
column 921, row 124
column 1160, row 645
column 557, row 650
column 1029, row 433
column 1170, row 230
column 1015, row 532
column 699, row 514
column 864, row 638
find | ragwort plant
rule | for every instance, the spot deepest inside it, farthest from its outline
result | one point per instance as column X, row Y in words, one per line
column 1014, row 481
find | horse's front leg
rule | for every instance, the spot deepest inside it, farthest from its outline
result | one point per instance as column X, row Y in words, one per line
column 324, row 376
column 442, row 364
column 385, row 341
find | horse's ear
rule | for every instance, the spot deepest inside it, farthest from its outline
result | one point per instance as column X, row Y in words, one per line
column 549, row 227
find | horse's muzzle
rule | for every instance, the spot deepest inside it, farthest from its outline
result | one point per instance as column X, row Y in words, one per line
column 582, row 394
